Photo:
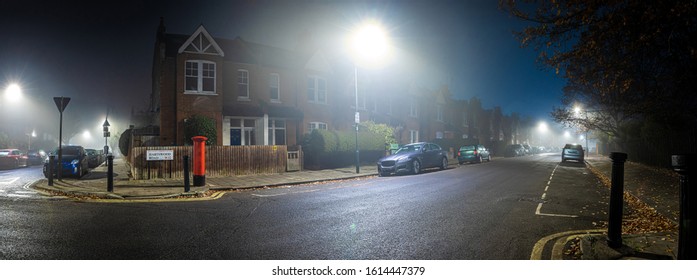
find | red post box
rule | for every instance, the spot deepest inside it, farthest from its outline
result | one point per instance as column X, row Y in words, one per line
column 199, row 160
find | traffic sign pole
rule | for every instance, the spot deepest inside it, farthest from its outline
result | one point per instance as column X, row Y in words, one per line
column 61, row 103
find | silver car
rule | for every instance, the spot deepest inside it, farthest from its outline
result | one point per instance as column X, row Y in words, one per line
column 572, row 152
column 413, row 158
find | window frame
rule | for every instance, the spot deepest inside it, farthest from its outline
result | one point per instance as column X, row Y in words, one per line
column 199, row 76
column 239, row 94
column 276, row 87
column 318, row 96
column 316, row 125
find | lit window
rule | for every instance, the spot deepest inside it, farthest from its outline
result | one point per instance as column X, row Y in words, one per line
column 199, row 76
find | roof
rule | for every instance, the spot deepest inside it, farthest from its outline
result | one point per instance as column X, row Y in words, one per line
column 240, row 51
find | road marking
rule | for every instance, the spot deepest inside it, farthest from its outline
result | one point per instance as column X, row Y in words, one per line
column 544, row 196
column 9, row 182
column 18, row 195
column 25, row 192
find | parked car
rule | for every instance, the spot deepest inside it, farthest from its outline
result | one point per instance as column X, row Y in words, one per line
column 473, row 153
column 572, row 152
column 75, row 162
column 12, row 158
column 413, row 158
column 94, row 158
column 527, row 149
column 36, row 157
column 514, row 150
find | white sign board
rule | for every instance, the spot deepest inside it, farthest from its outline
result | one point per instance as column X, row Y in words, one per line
column 159, row 155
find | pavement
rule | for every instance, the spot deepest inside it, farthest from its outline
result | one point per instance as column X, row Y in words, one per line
column 657, row 188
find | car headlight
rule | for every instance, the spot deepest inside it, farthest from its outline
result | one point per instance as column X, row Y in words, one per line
column 74, row 162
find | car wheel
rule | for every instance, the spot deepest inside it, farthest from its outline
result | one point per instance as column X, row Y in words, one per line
column 488, row 158
column 416, row 166
column 479, row 159
column 444, row 164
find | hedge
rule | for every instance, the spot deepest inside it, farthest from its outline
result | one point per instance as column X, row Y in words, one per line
column 333, row 149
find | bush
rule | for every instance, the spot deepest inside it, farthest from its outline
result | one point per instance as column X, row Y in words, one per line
column 125, row 142
column 200, row 126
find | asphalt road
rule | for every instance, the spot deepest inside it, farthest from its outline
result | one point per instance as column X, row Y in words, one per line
column 495, row 210
column 14, row 182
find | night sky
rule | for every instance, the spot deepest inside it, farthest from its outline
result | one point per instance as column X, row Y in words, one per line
column 100, row 54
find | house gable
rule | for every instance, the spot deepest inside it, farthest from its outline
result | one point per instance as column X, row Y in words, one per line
column 319, row 63
column 202, row 43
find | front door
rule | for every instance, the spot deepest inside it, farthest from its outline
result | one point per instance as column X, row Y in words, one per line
column 235, row 137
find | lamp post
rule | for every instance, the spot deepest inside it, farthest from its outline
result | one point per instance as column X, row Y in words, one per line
column 369, row 45
column 106, row 134
column 31, row 135
column 577, row 111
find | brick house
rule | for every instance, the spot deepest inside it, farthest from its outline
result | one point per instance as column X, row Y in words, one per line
column 264, row 95
column 257, row 94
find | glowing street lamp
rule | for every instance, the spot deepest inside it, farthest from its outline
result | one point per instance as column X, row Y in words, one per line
column 369, row 45
column 13, row 92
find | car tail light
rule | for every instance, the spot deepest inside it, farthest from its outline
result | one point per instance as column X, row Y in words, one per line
column 458, row 153
column 475, row 152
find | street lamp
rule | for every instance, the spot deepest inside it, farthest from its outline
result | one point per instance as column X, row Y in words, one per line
column 369, row 45
column 577, row 111
column 106, row 134
column 13, row 92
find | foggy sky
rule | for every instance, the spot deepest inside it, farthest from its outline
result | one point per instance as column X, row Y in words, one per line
column 101, row 54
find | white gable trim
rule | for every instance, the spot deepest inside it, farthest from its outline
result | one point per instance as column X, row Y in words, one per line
column 199, row 45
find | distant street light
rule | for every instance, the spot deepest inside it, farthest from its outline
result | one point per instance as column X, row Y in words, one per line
column 369, row 45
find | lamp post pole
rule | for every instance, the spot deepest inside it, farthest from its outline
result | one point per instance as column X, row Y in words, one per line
column 357, row 118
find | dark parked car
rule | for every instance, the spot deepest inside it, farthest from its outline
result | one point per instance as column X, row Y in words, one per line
column 74, row 162
column 36, row 157
column 572, row 152
column 413, row 158
column 514, row 150
column 473, row 153
column 12, row 158
column 94, row 158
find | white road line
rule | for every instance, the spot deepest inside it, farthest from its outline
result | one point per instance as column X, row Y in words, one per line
column 9, row 182
column 25, row 192
column 544, row 196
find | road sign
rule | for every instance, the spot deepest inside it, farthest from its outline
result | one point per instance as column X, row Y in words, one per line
column 61, row 103
column 159, row 155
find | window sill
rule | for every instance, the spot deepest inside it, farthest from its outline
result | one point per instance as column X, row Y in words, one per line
column 275, row 101
column 243, row 99
column 200, row 92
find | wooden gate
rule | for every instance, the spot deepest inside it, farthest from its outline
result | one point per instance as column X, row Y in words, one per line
column 294, row 160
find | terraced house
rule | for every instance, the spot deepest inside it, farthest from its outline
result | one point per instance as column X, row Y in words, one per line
column 264, row 95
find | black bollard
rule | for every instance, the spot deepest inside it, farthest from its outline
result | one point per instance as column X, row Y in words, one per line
column 687, row 241
column 110, row 173
column 51, row 168
column 614, row 230
column 187, row 186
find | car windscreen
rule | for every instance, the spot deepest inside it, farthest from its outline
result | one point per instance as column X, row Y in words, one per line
column 69, row 151
column 4, row 153
column 572, row 146
column 467, row 148
column 409, row 148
